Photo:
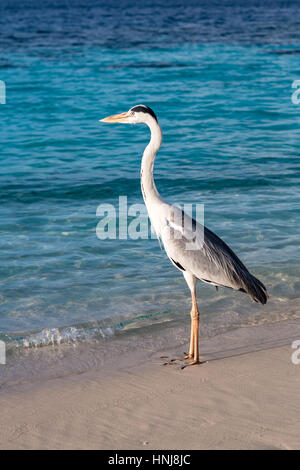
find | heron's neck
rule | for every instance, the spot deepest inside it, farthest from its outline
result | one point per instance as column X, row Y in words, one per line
column 150, row 193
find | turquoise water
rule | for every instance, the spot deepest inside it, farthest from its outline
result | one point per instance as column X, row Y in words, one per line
column 220, row 81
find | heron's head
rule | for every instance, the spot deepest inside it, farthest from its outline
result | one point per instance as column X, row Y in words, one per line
column 137, row 114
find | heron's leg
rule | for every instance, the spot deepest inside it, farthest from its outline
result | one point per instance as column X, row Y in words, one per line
column 195, row 329
column 194, row 344
column 190, row 355
column 191, row 350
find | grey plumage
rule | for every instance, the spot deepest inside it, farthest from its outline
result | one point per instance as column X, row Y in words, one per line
column 212, row 261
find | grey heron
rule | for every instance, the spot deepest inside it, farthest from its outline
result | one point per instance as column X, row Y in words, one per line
column 210, row 259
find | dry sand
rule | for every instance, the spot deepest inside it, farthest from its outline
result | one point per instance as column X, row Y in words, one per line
column 245, row 397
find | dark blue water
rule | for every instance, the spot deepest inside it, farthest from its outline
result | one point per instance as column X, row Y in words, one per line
column 219, row 76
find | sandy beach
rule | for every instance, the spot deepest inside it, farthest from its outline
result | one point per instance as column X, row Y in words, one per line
column 245, row 397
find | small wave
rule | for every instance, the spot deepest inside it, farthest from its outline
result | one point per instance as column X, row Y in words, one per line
column 88, row 332
column 70, row 335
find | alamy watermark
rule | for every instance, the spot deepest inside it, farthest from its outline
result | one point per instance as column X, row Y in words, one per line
column 295, row 357
column 131, row 221
column 2, row 92
column 296, row 94
column 2, row 353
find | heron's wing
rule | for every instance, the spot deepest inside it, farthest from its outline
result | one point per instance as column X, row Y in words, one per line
column 189, row 250
column 194, row 248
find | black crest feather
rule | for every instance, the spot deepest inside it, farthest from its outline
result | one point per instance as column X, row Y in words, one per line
column 144, row 109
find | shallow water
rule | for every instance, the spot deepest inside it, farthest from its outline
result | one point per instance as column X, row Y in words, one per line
column 220, row 80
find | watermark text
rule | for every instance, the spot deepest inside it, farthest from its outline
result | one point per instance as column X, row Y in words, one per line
column 175, row 222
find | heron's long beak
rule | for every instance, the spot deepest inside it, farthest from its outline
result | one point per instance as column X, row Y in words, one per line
column 123, row 117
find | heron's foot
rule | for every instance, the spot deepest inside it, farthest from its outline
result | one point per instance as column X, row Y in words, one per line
column 193, row 363
column 188, row 355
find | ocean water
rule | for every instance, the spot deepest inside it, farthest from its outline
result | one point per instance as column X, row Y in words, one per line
column 219, row 76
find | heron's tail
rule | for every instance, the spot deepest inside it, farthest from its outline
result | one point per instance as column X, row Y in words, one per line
column 256, row 289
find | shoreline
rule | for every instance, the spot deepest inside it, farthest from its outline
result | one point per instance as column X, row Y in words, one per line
column 245, row 396
column 36, row 363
